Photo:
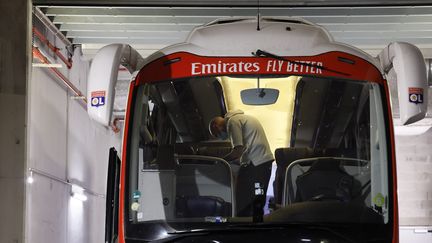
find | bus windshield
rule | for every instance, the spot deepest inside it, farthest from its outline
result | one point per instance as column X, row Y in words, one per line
column 198, row 155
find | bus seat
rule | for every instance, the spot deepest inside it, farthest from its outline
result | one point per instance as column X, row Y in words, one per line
column 326, row 180
column 203, row 179
column 201, row 206
column 284, row 157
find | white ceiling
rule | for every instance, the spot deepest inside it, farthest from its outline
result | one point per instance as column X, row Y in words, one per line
column 151, row 28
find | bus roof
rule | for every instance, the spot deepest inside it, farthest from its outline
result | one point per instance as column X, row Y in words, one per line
column 239, row 37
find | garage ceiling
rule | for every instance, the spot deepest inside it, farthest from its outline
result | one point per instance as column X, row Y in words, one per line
column 151, row 25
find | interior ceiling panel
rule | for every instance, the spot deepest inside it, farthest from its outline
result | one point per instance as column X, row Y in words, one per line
column 151, row 25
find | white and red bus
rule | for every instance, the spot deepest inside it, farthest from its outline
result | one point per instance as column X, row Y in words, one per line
column 324, row 106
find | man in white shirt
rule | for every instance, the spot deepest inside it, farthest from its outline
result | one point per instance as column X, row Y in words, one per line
column 251, row 148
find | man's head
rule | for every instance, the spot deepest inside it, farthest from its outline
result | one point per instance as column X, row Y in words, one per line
column 217, row 127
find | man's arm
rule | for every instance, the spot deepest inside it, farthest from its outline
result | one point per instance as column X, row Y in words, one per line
column 235, row 153
column 234, row 129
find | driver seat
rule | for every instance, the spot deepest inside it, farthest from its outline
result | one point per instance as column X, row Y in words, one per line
column 326, row 180
column 284, row 157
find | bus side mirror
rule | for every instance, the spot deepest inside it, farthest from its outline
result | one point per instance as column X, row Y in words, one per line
column 410, row 68
column 102, row 78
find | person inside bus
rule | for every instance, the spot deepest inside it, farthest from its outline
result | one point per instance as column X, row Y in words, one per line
column 251, row 149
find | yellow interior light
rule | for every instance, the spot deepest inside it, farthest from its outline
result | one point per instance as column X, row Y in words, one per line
column 276, row 118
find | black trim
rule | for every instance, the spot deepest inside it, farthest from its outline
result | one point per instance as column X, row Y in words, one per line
column 128, row 164
column 226, row 21
column 171, row 61
column 386, row 110
column 287, row 21
column 346, row 60
column 299, row 4
column 112, row 197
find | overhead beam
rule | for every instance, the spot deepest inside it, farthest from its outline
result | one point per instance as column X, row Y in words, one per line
column 200, row 20
column 164, row 42
column 135, row 20
column 332, row 27
column 151, row 35
column 361, row 43
column 128, row 34
column 378, row 27
column 229, row 11
column 122, row 27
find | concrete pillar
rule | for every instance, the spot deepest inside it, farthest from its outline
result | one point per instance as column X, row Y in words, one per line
column 14, row 67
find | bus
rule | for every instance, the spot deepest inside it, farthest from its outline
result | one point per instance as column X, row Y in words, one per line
column 325, row 110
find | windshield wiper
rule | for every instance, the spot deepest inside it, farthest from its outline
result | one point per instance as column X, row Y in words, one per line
column 261, row 53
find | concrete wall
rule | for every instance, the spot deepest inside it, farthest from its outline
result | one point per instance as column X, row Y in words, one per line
column 12, row 144
column 13, row 78
column 410, row 234
column 65, row 144
column 414, row 168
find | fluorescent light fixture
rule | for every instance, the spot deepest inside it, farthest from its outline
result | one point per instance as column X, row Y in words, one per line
column 77, row 192
column 421, row 231
column 47, row 65
column 30, row 178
